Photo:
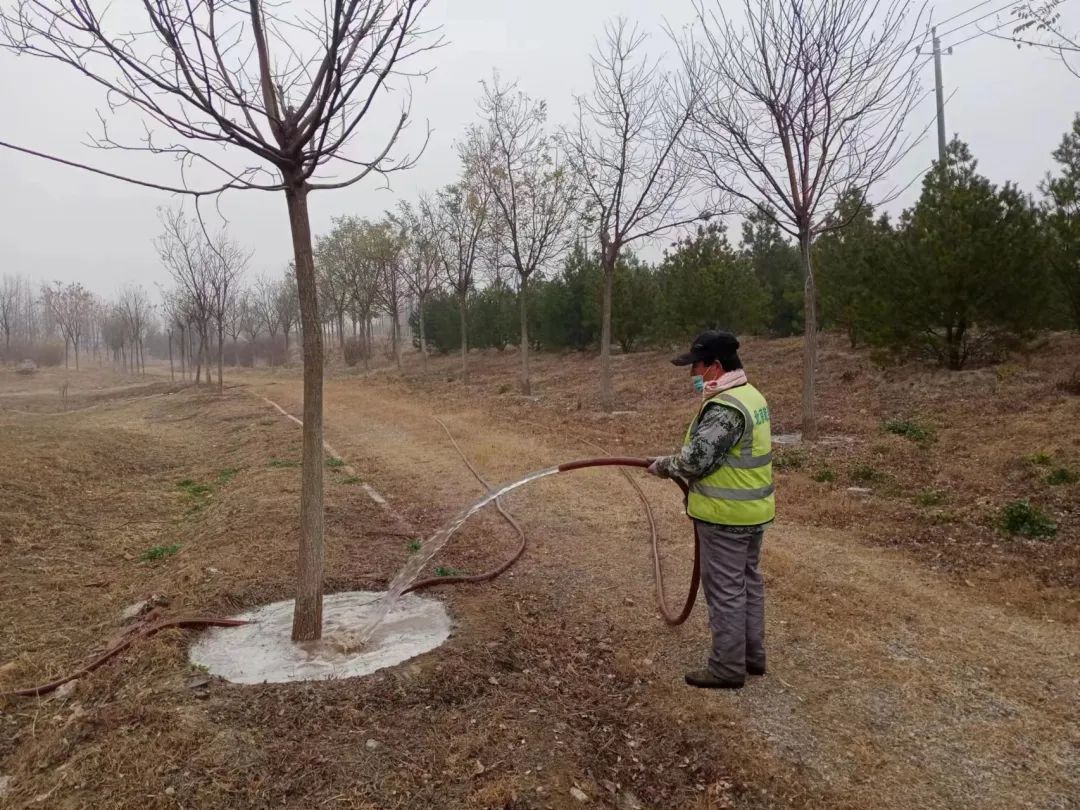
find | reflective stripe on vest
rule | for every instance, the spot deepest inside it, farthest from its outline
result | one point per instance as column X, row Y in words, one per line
column 740, row 492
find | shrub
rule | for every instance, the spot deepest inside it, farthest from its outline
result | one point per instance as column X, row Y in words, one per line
column 824, row 475
column 930, row 497
column 789, row 460
column 194, row 488
column 909, row 429
column 226, row 475
column 1062, row 475
column 1020, row 517
column 159, row 552
column 866, row 474
column 1040, row 459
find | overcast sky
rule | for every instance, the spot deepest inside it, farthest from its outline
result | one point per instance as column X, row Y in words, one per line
column 1012, row 106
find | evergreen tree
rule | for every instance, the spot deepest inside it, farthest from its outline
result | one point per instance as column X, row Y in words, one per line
column 971, row 266
column 850, row 263
column 704, row 283
column 633, row 302
column 775, row 263
column 1063, row 220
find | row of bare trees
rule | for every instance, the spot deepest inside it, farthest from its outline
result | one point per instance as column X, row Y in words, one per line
column 206, row 271
column 36, row 319
column 780, row 112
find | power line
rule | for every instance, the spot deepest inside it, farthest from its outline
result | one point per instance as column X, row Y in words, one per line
column 979, row 19
column 965, row 11
column 981, row 34
column 919, row 137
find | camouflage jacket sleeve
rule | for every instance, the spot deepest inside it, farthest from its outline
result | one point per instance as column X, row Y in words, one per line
column 716, row 432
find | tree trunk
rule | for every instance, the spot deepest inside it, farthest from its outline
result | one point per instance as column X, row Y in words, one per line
column 199, row 359
column 369, row 342
column 220, row 358
column 341, row 333
column 395, row 336
column 76, row 354
column 526, row 383
column 172, row 370
column 462, row 303
column 809, row 412
column 183, row 354
column 307, row 614
column 66, row 352
column 607, row 399
column 954, row 338
column 423, row 334
column 365, row 341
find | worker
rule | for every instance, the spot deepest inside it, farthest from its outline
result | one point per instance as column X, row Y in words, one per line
column 726, row 460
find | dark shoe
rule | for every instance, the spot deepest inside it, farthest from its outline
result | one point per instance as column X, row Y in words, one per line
column 704, row 679
column 755, row 669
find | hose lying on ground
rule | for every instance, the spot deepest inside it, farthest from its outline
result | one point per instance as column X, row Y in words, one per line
column 150, row 628
column 147, row 630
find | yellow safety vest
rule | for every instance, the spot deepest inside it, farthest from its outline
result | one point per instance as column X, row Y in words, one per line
column 740, row 492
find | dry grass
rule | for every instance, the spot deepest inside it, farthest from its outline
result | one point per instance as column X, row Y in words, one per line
column 891, row 685
column 986, row 424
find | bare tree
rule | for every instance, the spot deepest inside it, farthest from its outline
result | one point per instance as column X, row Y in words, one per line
column 114, row 332
column 457, row 222
column 250, row 320
column 363, row 282
column 286, row 307
column 292, row 91
column 266, row 301
column 627, row 148
column 9, row 310
column 226, row 262
column 177, row 308
column 533, row 195
column 806, row 103
column 387, row 246
column 421, row 268
column 184, row 252
column 234, row 321
column 333, row 267
column 71, row 307
column 134, row 307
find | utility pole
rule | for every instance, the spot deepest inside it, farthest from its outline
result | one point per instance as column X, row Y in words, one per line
column 940, row 93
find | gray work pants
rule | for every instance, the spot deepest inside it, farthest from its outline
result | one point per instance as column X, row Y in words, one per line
column 735, row 595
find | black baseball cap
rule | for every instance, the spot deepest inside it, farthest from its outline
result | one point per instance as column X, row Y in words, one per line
column 708, row 347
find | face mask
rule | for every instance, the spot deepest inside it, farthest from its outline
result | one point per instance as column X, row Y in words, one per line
column 698, row 382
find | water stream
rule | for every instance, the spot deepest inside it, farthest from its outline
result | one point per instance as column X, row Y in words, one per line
column 431, row 547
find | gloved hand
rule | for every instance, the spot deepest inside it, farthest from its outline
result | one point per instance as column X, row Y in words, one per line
column 658, row 468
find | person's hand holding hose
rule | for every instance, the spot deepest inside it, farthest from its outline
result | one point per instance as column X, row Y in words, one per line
column 658, row 467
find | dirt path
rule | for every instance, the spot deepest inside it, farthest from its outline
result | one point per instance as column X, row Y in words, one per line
column 887, row 686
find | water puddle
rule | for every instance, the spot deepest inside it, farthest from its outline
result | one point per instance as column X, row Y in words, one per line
column 263, row 651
